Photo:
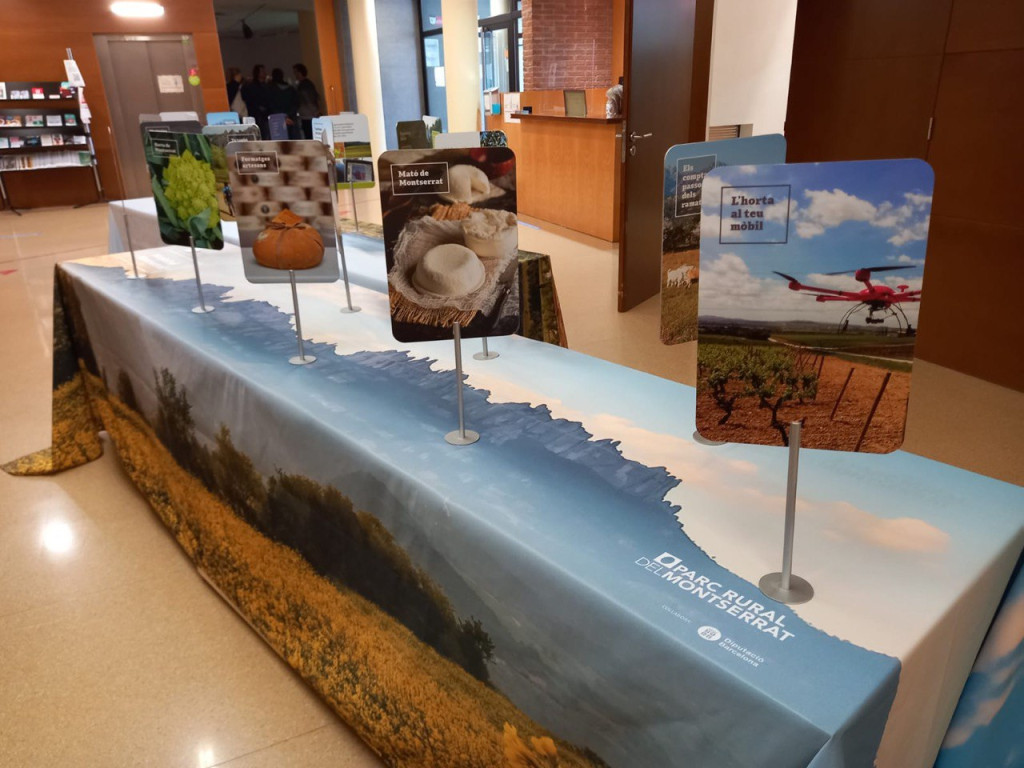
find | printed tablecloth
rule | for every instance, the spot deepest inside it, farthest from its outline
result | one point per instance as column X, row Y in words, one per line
column 576, row 589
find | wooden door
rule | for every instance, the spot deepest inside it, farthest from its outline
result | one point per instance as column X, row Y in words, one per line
column 667, row 60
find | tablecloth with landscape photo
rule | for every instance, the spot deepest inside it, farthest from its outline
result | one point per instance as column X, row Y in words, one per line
column 576, row 589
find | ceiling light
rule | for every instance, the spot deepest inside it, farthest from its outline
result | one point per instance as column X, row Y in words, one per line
column 137, row 10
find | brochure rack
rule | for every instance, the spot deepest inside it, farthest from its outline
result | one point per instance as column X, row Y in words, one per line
column 41, row 127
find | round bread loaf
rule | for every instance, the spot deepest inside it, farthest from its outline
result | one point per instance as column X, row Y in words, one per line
column 449, row 270
column 288, row 242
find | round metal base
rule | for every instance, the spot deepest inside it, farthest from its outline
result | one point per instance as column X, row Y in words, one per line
column 347, row 311
column 800, row 591
column 487, row 356
column 302, row 360
column 202, row 310
column 455, row 438
column 697, row 437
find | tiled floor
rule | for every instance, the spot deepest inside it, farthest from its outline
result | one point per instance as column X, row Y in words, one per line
column 115, row 652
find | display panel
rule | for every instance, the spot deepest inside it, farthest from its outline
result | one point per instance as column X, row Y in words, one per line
column 685, row 168
column 284, row 194
column 451, row 241
column 184, row 187
column 811, row 282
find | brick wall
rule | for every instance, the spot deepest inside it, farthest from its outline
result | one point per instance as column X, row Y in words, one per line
column 567, row 44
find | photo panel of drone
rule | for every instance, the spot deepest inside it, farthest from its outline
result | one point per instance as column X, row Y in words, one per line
column 810, row 290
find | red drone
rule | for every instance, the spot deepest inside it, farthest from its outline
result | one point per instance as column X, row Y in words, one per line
column 874, row 298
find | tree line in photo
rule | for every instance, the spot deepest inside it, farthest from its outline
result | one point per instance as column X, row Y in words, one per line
column 341, row 543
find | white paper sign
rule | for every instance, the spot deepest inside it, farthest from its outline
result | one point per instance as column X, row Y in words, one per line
column 439, row 77
column 432, row 52
column 510, row 104
column 170, row 84
column 74, row 74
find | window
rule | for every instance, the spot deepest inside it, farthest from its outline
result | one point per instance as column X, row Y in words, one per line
column 501, row 45
column 435, row 95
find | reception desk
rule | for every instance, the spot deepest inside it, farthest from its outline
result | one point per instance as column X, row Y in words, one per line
column 568, row 169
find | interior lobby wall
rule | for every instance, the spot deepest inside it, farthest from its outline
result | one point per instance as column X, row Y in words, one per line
column 32, row 43
column 567, row 44
column 461, row 64
column 362, row 18
column 398, row 41
column 751, row 54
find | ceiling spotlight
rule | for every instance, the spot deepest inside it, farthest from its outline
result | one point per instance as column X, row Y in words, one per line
column 137, row 9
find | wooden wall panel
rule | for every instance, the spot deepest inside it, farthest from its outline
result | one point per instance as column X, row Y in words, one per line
column 970, row 320
column 32, row 48
column 976, row 143
column 986, row 25
column 883, row 111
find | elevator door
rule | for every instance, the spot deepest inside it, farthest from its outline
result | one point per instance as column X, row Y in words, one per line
column 144, row 74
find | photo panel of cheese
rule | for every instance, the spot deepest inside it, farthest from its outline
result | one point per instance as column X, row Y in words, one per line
column 685, row 168
column 283, row 194
column 810, row 289
column 184, row 187
column 451, row 241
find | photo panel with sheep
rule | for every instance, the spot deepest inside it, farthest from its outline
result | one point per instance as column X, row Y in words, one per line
column 219, row 137
column 451, row 241
column 810, row 289
column 184, row 188
column 283, row 193
column 348, row 136
column 685, row 168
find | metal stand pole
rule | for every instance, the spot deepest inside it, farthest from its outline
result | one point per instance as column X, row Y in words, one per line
column 7, row 201
column 128, row 237
column 461, row 436
column 124, row 210
column 302, row 358
column 787, row 587
column 202, row 309
column 352, row 193
column 101, row 195
column 348, row 308
column 486, row 354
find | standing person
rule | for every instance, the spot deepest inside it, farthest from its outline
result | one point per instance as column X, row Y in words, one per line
column 284, row 99
column 235, row 101
column 254, row 94
column 309, row 100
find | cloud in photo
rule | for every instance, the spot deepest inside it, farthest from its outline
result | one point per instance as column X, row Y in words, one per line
column 831, row 208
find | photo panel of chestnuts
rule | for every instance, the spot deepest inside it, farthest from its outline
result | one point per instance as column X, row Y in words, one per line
column 451, row 241
column 283, row 196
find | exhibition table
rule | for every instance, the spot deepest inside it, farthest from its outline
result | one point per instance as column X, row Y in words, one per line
column 578, row 588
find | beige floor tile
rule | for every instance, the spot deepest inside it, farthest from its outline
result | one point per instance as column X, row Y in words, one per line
column 326, row 747
column 156, row 672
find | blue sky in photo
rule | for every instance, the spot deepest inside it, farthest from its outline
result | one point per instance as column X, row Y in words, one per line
column 839, row 216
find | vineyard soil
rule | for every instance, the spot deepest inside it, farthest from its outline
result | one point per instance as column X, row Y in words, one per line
column 752, row 424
